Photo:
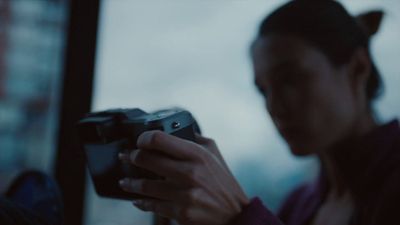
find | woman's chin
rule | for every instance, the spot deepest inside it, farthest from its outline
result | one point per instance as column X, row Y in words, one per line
column 300, row 149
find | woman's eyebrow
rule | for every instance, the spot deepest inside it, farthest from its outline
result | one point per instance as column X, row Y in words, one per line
column 276, row 70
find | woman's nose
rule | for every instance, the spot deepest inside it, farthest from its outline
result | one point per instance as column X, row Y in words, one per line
column 276, row 104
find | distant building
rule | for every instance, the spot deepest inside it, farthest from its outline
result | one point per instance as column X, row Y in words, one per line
column 32, row 38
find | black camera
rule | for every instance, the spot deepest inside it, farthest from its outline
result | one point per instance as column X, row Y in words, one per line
column 105, row 134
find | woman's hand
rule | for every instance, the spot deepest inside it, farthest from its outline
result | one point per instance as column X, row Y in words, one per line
column 198, row 187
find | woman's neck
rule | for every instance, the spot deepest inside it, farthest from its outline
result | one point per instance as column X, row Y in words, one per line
column 329, row 162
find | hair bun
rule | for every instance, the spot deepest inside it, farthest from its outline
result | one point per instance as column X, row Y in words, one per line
column 370, row 21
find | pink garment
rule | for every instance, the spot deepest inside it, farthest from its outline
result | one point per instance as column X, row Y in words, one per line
column 371, row 169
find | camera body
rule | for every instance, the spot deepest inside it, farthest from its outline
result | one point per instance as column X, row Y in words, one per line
column 105, row 134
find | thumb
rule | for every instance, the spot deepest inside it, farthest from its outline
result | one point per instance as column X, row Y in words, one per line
column 212, row 147
column 206, row 142
column 199, row 139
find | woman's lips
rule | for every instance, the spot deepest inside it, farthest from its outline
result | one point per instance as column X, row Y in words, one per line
column 290, row 133
column 288, row 130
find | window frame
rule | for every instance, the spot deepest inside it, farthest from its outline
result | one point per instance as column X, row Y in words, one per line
column 75, row 102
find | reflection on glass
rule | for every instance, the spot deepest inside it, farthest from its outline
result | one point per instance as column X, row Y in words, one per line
column 32, row 35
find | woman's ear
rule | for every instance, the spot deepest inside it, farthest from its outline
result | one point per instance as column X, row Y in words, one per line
column 370, row 21
column 359, row 72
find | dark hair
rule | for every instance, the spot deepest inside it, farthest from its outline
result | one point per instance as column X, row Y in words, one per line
column 327, row 25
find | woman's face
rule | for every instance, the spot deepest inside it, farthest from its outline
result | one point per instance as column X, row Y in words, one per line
column 310, row 101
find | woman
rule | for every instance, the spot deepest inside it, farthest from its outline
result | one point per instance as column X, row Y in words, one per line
column 312, row 64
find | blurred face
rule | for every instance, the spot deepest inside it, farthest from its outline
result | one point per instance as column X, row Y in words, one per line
column 310, row 101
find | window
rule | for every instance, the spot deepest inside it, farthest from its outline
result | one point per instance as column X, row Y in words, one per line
column 194, row 54
column 32, row 35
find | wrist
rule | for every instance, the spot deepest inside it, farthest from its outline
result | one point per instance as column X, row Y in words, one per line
column 242, row 203
column 238, row 214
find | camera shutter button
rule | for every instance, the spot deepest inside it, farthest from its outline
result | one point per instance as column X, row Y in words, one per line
column 175, row 125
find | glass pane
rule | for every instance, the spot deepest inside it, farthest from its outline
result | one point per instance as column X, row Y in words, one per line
column 194, row 54
column 32, row 38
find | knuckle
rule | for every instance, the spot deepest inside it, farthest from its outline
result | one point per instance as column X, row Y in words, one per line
column 132, row 155
column 207, row 141
column 210, row 141
column 195, row 177
column 199, row 153
column 192, row 196
column 156, row 137
column 191, row 174
column 138, row 158
column 148, row 138
column 203, row 155
column 142, row 139
column 212, row 145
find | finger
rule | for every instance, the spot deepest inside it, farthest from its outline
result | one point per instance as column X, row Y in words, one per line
column 207, row 142
column 162, row 165
column 160, row 189
column 124, row 157
column 200, row 139
column 170, row 145
column 182, row 214
column 160, row 207
column 210, row 145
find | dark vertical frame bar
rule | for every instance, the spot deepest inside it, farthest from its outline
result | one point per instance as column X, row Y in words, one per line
column 76, row 100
